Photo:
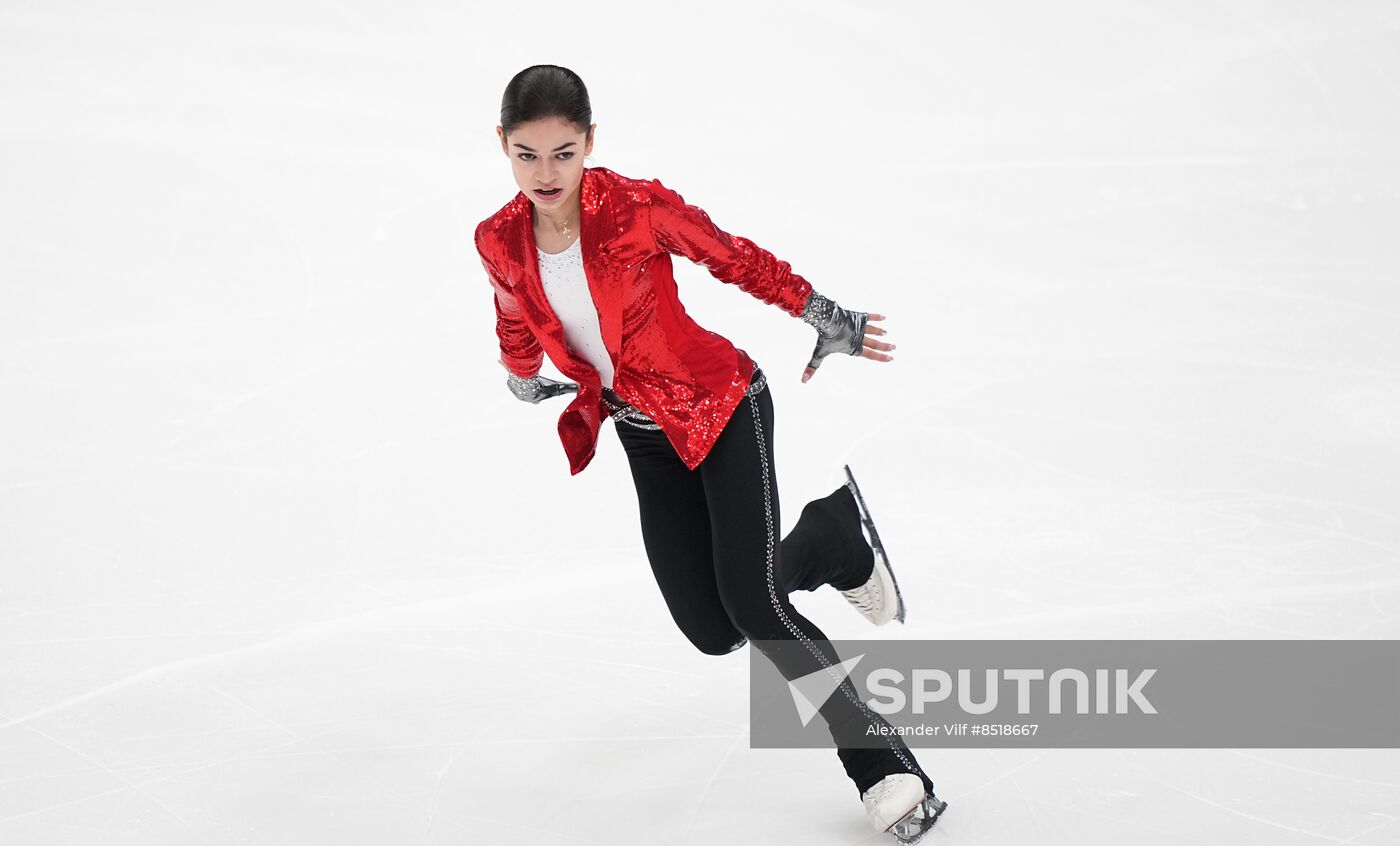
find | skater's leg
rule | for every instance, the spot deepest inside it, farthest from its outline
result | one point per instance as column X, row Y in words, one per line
column 826, row 546
column 741, row 488
column 676, row 532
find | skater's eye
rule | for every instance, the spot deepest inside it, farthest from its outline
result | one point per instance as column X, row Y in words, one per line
column 562, row 156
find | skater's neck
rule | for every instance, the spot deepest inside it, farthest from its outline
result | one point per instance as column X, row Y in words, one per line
column 559, row 219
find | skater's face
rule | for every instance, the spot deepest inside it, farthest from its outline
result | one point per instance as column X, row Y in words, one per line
column 548, row 153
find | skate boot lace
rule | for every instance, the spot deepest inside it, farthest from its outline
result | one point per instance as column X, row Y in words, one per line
column 868, row 598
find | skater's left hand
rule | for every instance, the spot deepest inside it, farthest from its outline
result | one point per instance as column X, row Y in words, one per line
column 842, row 331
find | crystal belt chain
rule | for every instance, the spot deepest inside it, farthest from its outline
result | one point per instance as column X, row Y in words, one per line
column 626, row 412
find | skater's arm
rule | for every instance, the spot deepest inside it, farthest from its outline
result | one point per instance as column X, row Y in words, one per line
column 521, row 352
column 684, row 229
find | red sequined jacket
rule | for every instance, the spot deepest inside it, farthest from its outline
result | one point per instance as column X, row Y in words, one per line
column 686, row 378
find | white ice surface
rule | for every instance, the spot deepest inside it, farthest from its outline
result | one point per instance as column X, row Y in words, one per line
column 282, row 562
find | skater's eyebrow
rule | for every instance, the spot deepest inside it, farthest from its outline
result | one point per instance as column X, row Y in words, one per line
column 555, row 150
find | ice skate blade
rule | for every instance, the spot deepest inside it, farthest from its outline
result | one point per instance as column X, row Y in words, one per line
column 914, row 825
column 882, row 561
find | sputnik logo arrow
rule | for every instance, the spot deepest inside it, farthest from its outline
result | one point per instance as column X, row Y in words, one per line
column 817, row 687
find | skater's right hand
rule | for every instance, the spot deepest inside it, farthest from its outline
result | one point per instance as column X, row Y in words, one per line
column 536, row 388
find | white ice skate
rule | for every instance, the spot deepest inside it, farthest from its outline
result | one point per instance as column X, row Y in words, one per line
column 897, row 804
column 878, row 600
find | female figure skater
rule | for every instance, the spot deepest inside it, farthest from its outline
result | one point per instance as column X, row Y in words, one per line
column 580, row 264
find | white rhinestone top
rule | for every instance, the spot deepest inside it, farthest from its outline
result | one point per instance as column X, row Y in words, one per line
column 562, row 259
column 566, row 288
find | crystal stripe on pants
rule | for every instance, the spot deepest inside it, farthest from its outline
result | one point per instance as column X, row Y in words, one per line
column 710, row 536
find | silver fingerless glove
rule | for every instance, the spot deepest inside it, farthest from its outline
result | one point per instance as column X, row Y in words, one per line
column 838, row 330
column 532, row 389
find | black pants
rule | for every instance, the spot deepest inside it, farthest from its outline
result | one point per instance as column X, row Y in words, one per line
column 711, row 537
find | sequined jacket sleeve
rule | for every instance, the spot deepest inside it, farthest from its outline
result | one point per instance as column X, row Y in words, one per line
column 684, row 229
column 521, row 352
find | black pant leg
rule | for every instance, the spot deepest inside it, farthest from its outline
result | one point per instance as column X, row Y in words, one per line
column 676, row 532
column 827, row 546
column 741, row 487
